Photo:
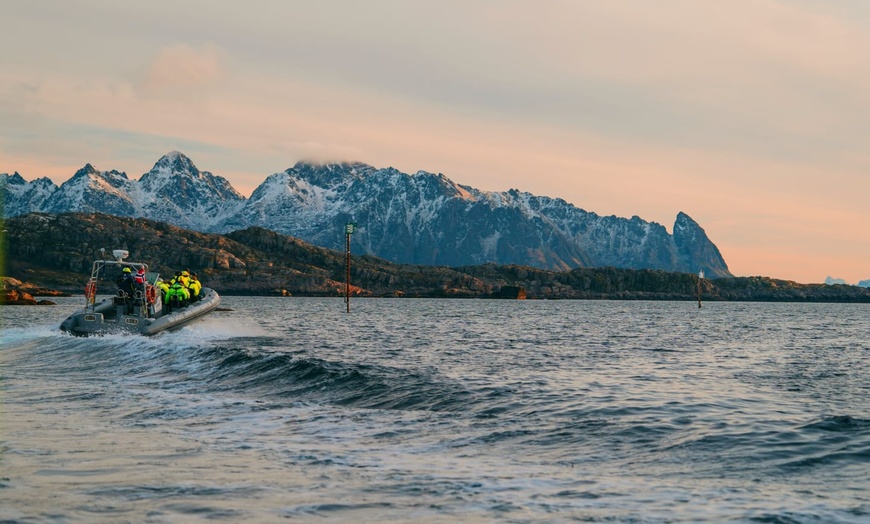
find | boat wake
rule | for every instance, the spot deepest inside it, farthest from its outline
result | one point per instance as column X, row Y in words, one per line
column 215, row 327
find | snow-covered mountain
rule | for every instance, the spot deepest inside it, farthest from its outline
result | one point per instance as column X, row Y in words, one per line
column 175, row 191
column 17, row 196
column 89, row 190
column 423, row 218
column 428, row 219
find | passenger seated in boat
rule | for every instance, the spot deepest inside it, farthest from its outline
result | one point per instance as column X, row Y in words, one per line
column 162, row 286
column 176, row 297
column 195, row 288
column 185, row 278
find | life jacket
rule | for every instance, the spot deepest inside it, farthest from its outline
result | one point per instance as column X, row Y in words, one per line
column 178, row 290
column 173, row 291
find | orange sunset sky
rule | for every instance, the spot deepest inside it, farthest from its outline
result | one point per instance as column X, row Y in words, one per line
column 752, row 116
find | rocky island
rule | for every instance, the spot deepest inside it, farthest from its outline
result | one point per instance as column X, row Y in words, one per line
column 14, row 292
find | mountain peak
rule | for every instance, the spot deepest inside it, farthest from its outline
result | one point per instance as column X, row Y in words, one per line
column 685, row 220
column 14, row 179
column 176, row 191
column 88, row 169
column 327, row 175
column 695, row 248
column 175, row 162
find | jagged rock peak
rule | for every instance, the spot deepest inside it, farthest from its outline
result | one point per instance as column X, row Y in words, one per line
column 176, row 191
column 684, row 220
column 329, row 174
column 88, row 169
column 443, row 184
column 15, row 179
column 176, row 162
column 696, row 250
column 176, row 171
column 331, row 166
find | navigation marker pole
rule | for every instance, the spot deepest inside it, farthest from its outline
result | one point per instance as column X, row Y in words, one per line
column 700, row 278
column 348, row 231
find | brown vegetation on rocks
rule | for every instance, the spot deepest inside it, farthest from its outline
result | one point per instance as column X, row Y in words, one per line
column 58, row 251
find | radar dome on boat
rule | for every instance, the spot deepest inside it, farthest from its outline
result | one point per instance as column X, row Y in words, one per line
column 120, row 254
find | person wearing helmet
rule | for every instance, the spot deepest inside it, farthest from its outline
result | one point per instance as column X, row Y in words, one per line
column 125, row 280
column 126, row 287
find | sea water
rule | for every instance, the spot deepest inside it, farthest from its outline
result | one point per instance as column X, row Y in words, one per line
column 412, row 410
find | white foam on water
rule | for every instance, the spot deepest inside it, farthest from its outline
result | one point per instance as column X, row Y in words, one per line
column 211, row 328
column 19, row 335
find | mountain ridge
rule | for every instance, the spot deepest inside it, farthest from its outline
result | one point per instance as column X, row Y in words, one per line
column 424, row 218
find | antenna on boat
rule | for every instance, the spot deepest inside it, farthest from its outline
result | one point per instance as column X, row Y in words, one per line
column 700, row 278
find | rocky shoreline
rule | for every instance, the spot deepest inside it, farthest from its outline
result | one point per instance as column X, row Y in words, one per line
column 14, row 292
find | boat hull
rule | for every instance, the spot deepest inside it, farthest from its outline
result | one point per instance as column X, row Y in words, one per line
column 102, row 318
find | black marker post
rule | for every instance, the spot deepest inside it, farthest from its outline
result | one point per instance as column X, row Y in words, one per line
column 348, row 231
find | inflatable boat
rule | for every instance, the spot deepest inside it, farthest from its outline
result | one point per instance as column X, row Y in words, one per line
column 142, row 310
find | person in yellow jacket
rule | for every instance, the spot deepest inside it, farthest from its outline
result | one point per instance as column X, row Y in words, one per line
column 163, row 287
column 195, row 287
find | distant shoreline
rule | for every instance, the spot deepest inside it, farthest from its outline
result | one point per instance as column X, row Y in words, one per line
column 56, row 252
column 645, row 297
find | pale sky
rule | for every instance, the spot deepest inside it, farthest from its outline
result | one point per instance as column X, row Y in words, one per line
column 752, row 116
